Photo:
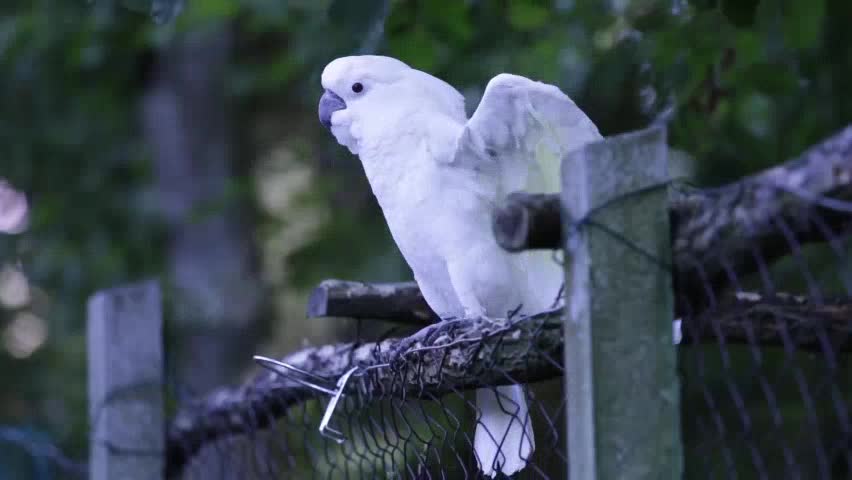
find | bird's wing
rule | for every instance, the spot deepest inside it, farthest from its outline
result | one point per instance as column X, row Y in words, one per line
column 519, row 134
column 516, row 140
column 521, row 130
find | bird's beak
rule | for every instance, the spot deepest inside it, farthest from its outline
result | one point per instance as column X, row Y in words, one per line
column 329, row 103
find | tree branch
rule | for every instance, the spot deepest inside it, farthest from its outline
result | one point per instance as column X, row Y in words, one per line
column 751, row 223
column 783, row 320
column 393, row 302
column 472, row 353
column 529, row 221
column 455, row 354
column 735, row 227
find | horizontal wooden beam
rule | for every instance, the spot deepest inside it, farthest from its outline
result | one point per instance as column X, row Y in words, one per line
column 392, row 302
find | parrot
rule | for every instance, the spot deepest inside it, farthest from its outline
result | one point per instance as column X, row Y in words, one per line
column 438, row 176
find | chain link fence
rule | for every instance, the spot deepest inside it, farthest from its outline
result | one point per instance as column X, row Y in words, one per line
column 762, row 318
column 762, row 284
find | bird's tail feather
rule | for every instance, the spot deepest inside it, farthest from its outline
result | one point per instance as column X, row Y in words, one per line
column 504, row 435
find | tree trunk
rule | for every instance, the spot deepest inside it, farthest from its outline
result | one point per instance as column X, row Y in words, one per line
column 216, row 291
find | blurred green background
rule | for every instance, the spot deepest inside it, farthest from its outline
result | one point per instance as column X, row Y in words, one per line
column 186, row 147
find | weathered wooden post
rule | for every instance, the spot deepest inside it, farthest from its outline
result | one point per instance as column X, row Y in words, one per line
column 125, row 350
column 620, row 364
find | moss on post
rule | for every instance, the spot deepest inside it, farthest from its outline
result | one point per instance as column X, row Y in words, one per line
column 622, row 388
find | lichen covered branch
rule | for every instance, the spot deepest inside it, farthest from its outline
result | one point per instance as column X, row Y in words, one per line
column 788, row 321
column 736, row 228
column 751, row 223
column 393, row 302
column 476, row 352
column 447, row 356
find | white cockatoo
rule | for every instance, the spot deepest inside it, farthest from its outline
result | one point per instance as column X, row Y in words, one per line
column 437, row 176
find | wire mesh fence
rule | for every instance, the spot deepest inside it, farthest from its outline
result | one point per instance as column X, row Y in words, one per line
column 408, row 411
column 37, row 455
column 763, row 310
column 767, row 381
column 762, row 279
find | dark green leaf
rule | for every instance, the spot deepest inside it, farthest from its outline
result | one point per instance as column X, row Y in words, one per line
column 355, row 18
column 417, row 48
column 803, row 22
column 740, row 13
column 772, row 79
column 527, row 16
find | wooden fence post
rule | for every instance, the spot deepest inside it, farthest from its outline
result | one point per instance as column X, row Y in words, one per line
column 620, row 364
column 125, row 349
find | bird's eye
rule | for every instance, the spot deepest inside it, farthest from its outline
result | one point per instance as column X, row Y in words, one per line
column 357, row 87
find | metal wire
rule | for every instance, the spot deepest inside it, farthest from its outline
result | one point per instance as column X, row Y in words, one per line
column 751, row 409
column 766, row 381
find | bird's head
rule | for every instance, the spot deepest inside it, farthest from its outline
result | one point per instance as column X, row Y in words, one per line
column 369, row 94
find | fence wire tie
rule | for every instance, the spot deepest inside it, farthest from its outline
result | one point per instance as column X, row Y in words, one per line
column 286, row 370
column 325, row 429
column 335, row 392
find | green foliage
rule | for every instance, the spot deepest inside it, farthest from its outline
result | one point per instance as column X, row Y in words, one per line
column 753, row 83
column 161, row 11
column 803, row 23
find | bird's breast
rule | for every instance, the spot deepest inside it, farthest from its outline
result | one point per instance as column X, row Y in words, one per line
column 428, row 203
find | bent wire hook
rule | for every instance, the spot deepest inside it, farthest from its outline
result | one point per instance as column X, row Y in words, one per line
column 320, row 384
column 283, row 369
